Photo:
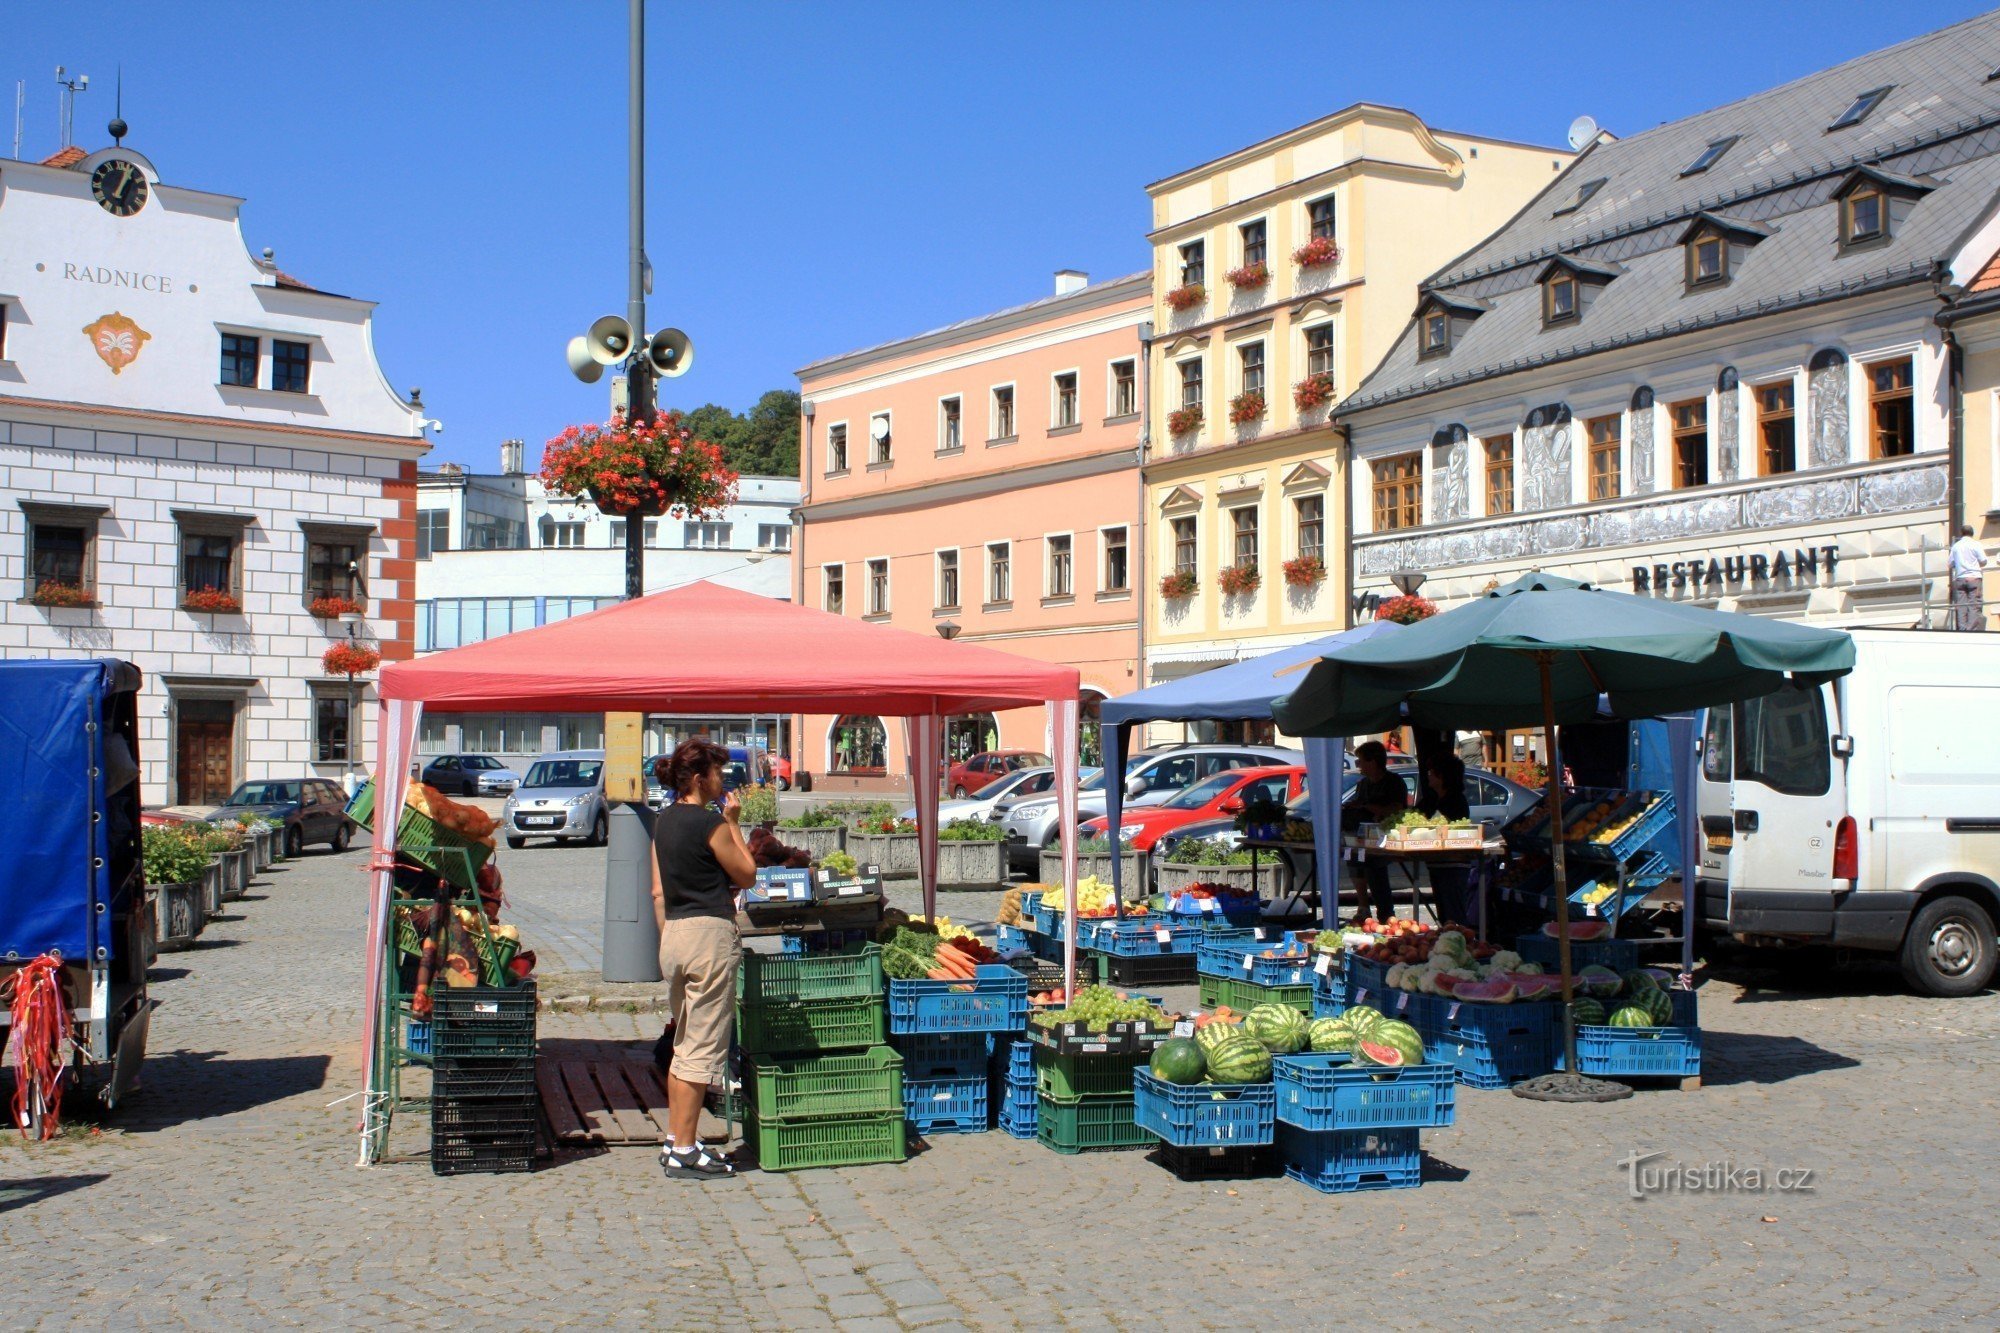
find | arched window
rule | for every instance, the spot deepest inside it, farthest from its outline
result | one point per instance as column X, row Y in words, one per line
column 1089, row 725
column 969, row 734
column 856, row 743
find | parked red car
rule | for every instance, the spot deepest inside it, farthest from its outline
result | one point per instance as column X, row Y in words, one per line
column 1218, row 797
column 969, row 775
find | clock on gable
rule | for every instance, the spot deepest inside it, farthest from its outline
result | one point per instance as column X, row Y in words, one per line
column 119, row 186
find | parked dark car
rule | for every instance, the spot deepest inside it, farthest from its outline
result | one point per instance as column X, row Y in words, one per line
column 470, row 775
column 314, row 810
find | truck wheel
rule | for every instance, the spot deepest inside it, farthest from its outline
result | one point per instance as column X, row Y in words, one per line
column 1949, row 950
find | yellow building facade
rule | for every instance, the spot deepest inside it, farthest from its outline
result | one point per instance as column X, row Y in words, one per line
column 1281, row 275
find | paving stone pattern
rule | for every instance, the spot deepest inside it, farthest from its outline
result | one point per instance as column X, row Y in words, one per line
column 227, row 1196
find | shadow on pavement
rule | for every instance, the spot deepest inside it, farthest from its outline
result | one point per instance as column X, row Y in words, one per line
column 1769, row 975
column 26, row 1193
column 182, row 1086
column 1741, row 1057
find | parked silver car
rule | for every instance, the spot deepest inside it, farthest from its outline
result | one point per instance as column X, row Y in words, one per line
column 1032, row 824
column 562, row 797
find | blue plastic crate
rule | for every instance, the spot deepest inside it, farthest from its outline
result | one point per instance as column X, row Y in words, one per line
column 1202, row 1115
column 1664, row 1052
column 945, row 1105
column 1618, row 955
column 1138, row 937
column 1326, row 1092
column 1224, row 955
column 996, row 1000
column 1346, row 1161
column 1215, row 913
column 1009, row 937
column 1016, row 1125
column 1635, row 839
column 417, row 1037
column 1014, row 1057
column 1493, row 1045
column 943, row 1054
column 1323, row 1007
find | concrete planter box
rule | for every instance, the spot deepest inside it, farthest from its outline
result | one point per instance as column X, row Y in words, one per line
column 1174, row 878
column 1098, row 864
column 178, row 914
column 817, row 841
column 895, row 853
column 253, row 843
column 235, row 875
column 277, row 844
column 213, row 882
column 972, row 865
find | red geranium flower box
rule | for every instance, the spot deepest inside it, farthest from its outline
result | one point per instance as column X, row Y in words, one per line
column 349, row 659
column 213, row 600
column 1184, row 421
column 1187, row 296
column 1317, row 253
column 1239, row 579
column 1250, row 276
column 1245, row 408
column 333, row 607
column 1304, row 571
column 1180, row 583
column 1312, row 391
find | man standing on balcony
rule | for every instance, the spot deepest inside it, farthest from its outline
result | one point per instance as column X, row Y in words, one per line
column 1968, row 569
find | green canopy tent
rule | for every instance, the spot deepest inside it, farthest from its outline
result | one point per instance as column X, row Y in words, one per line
column 1543, row 650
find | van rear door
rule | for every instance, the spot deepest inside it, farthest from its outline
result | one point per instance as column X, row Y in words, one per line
column 1941, row 808
column 1787, row 795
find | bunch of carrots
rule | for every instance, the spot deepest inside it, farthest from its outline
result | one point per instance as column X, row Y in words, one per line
column 959, row 960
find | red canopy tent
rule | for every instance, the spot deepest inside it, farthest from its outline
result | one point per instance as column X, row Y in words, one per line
column 708, row 648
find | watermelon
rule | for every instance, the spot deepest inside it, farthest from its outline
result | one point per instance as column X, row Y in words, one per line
column 1499, row 990
column 1392, row 1032
column 1632, row 1016
column 1281, row 1028
column 1179, row 1061
column 1657, row 1003
column 1207, row 1037
column 1535, row 986
column 1578, row 930
column 1375, row 1053
column 1587, row 1012
column 1238, row 1058
column 1599, row 982
column 1638, row 981
column 1361, row 1018
column 1330, row 1034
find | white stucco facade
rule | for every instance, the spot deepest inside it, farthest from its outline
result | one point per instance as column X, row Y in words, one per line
column 131, row 471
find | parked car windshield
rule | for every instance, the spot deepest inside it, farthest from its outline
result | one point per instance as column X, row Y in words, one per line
column 264, row 793
column 563, row 773
column 1203, row 792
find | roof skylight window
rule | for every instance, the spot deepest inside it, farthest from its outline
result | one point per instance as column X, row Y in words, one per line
column 1583, row 195
column 1709, row 156
column 1858, row 110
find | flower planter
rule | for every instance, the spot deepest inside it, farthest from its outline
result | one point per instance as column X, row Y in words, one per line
column 235, row 875
column 178, row 914
column 972, row 865
column 1174, row 878
column 259, row 848
column 1095, row 863
column 277, row 837
column 816, row 842
column 212, row 884
column 895, row 853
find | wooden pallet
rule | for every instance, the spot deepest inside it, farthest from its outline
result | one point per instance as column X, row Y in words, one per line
column 603, row 1103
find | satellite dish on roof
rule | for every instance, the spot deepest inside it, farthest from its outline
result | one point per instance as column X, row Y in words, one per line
column 1581, row 131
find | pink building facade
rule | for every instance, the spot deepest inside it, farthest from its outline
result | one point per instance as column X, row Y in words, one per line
column 980, row 481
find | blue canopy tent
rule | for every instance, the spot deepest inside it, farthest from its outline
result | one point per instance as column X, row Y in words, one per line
column 1239, row 691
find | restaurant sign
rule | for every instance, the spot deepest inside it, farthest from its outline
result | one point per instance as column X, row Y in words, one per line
column 1775, row 571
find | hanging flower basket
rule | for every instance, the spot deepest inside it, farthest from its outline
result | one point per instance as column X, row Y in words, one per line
column 1319, row 252
column 213, row 600
column 1238, row 580
column 640, row 468
column 1406, row 609
column 1180, row 583
column 1245, row 408
column 1250, row 276
column 333, row 607
column 1187, row 296
column 1304, row 571
column 349, row 659
column 1313, row 391
column 1184, row 421
column 52, row 593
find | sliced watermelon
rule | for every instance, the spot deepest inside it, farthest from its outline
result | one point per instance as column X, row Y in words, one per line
column 1578, row 930
column 1374, row 1053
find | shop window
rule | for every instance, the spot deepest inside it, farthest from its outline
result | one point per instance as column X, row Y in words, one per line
column 1399, row 484
column 1607, row 457
column 1499, row 473
column 1892, row 418
column 1690, row 442
column 857, row 744
column 1777, row 429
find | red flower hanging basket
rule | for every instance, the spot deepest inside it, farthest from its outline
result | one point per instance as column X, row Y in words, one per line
column 1180, row 583
column 1245, row 408
column 641, row 468
column 1187, row 296
column 349, row 659
column 1239, row 579
column 1250, row 276
column 1304, row 571
column 1313, row 391
column 1319, row 252
column 1184, row 421
column 1406, row 609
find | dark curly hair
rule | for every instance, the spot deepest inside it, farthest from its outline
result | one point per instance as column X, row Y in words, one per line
column 677, row 772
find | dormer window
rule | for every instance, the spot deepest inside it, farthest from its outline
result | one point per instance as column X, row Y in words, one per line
column 1858, row 110
column 1436, row 332
column 1715, row 244
column 1708, row 261
column 1863, row 217
column 1559, row 300
column 1709, row 156
column 1583, row 195
column 1442, row 320
column 1873, row 202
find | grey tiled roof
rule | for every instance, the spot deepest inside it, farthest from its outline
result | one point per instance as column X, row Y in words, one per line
column 1938, row 126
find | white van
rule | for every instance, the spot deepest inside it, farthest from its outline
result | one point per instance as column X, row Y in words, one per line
column 1864, row 813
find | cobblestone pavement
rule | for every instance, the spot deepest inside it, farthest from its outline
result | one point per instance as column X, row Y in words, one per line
column 227, row 1196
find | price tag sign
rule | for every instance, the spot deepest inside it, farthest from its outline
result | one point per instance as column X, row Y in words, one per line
column 1163, row 934
column 1248, row 962
column 1361, row 995
column 1324, row 965
column 1361, row 853
column 1402, row 1002
column 1453, row 1012
column 1183, row 1028
column 1260, row 936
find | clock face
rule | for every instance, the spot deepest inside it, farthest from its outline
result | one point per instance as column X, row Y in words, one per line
column 120, row 187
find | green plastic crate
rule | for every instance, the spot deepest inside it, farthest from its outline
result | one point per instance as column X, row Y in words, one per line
column 866, row 1082
column 422, row 839
column 793, row 1145
column 1088, row 1124
column 1068, row 1077
column 1243, row 996
column 808, row 1026
column 850, row 973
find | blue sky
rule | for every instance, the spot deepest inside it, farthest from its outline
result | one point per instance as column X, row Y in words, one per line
column 820, row 176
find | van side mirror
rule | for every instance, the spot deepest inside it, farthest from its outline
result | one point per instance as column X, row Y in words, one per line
column 1843, row 747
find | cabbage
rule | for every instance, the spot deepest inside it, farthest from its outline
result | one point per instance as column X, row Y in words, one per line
column 1506, row 960
column 1427, row 982
column 1453, row 946
column 1463, row 974
column 1528, row 970
column 1395, row 976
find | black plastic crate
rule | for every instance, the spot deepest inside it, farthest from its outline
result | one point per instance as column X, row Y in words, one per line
column 482, row 1078
column 494, row 1116
column 1162, row 969
column 1255, row 1163
column 459, row 1156
column 483, row 1022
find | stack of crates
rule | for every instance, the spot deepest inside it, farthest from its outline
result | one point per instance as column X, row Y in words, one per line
column 822, row 1088
column 484, row 1107
column 1085, row 1102
column 1343, row 1128
column 945, row 1088
column 1011, row 1079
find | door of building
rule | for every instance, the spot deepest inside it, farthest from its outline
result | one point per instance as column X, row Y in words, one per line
column 205, row 736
